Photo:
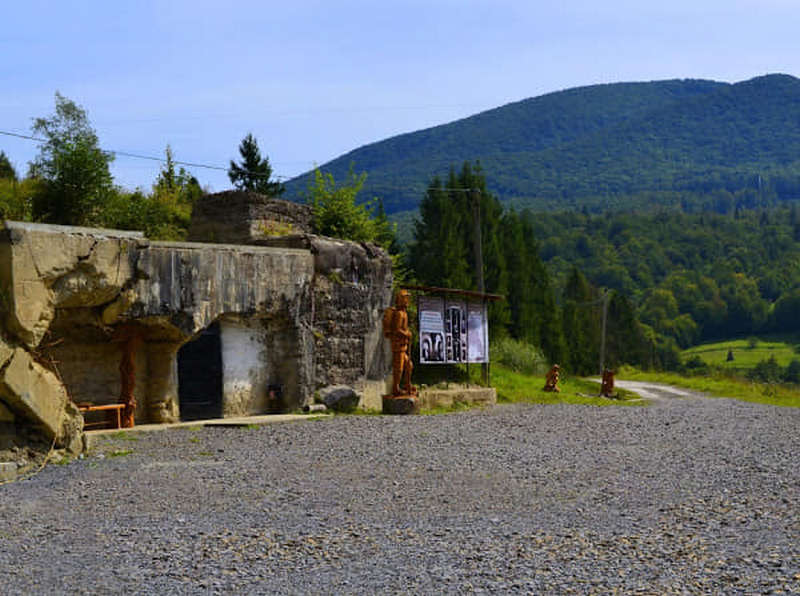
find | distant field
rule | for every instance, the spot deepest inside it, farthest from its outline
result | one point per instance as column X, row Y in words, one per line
column 745, row 356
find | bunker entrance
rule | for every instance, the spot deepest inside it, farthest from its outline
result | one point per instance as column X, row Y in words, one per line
column 200, row 376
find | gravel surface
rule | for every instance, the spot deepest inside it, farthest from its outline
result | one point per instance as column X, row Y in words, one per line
column 686, row 495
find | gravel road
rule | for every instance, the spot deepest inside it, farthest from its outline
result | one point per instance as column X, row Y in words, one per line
column 687, row 495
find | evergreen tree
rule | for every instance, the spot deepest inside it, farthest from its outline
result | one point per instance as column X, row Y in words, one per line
column 534, row 316
column 443, row 254
column 625, row 339
column 581, row 324
column 438, row 254
column 6, row 169
column 254, row 172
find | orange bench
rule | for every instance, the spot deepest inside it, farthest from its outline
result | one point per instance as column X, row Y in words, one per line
column 103, row 408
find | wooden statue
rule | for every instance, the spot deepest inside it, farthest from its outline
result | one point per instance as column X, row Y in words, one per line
column 397, row 331
column 607, row 384
column 551, row 380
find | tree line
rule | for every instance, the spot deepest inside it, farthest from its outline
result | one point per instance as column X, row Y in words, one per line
column 70, row 182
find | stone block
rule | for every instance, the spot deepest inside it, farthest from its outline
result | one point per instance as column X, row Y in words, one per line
column 372, row 392
column 340, row 398
column 444, row 398
column 33, row 392
column 8, row 471
column 401, row 404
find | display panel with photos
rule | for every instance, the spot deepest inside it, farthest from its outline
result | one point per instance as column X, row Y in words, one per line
column 452, row 331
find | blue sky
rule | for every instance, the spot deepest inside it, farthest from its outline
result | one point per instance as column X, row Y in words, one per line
column 312, row 80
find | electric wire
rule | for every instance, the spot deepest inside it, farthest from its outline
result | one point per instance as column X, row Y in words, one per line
column 372, row 188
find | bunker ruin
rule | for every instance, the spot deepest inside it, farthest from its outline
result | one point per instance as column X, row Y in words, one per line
column 253, row 315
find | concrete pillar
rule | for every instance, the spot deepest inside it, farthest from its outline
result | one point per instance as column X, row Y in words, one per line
column 162, row 382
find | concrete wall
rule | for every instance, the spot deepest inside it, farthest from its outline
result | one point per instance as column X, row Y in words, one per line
column 245, row 368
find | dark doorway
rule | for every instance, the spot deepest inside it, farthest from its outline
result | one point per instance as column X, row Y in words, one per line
column 200, row 376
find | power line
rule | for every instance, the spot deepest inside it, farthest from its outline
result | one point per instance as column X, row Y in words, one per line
column 379, row 187
column 137, row 156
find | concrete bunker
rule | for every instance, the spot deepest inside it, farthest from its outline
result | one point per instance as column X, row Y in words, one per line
column 285, row 316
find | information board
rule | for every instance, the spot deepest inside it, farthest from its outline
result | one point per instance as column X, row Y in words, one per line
column 452, row 331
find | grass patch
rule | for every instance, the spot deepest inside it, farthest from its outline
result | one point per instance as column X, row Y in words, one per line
column 516, row 387
column 120, row 453
column 747, row 352
column 720, row 385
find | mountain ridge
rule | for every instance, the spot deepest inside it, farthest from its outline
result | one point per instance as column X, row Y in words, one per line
column 597, row 143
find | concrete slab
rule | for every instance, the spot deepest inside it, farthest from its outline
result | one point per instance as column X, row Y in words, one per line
column 445, row 398
column 92, row 435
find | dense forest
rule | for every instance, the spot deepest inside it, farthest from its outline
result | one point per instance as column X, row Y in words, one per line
column 605, row 147
column 674, row 279
column 694, row 277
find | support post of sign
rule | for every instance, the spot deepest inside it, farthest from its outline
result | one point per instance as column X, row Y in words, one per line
column 477, row 245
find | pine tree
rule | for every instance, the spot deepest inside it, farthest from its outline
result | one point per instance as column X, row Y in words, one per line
column 254, row 172
column 625, row 339
column 581, row 324
column 6, row 169
column 439, row 252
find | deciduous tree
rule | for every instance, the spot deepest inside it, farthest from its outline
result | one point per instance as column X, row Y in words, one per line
column 74, row 170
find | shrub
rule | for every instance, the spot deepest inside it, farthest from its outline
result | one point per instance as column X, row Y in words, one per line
column 696, row 365
column 519, row 356
column 792, row 374
column 766, row 371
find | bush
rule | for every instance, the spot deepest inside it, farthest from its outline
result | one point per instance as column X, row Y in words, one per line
column 792, row 374
column 766, row 371
column 519, row 356
column 696, row 365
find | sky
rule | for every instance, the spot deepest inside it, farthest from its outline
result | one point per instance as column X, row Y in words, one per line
column 312, row 80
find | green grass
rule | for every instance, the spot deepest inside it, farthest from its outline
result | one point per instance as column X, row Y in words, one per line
column 515, row 387
column 720, row 385
column 783, row 348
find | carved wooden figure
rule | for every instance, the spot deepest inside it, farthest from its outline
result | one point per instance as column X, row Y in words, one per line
column 551, row 380
column 400, row 337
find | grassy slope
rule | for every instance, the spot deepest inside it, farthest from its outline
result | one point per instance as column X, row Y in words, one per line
column 513, row 387
column 718, row 385
column 745, row 357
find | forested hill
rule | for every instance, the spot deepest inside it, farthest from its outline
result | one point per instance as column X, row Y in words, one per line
column 617, row 145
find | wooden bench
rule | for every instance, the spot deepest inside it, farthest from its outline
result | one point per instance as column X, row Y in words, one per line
column 103, row 408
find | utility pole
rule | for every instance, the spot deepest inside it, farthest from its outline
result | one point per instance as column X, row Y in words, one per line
column 604, row 301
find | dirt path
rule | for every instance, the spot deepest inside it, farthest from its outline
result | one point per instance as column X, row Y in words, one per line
column 657, row 391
